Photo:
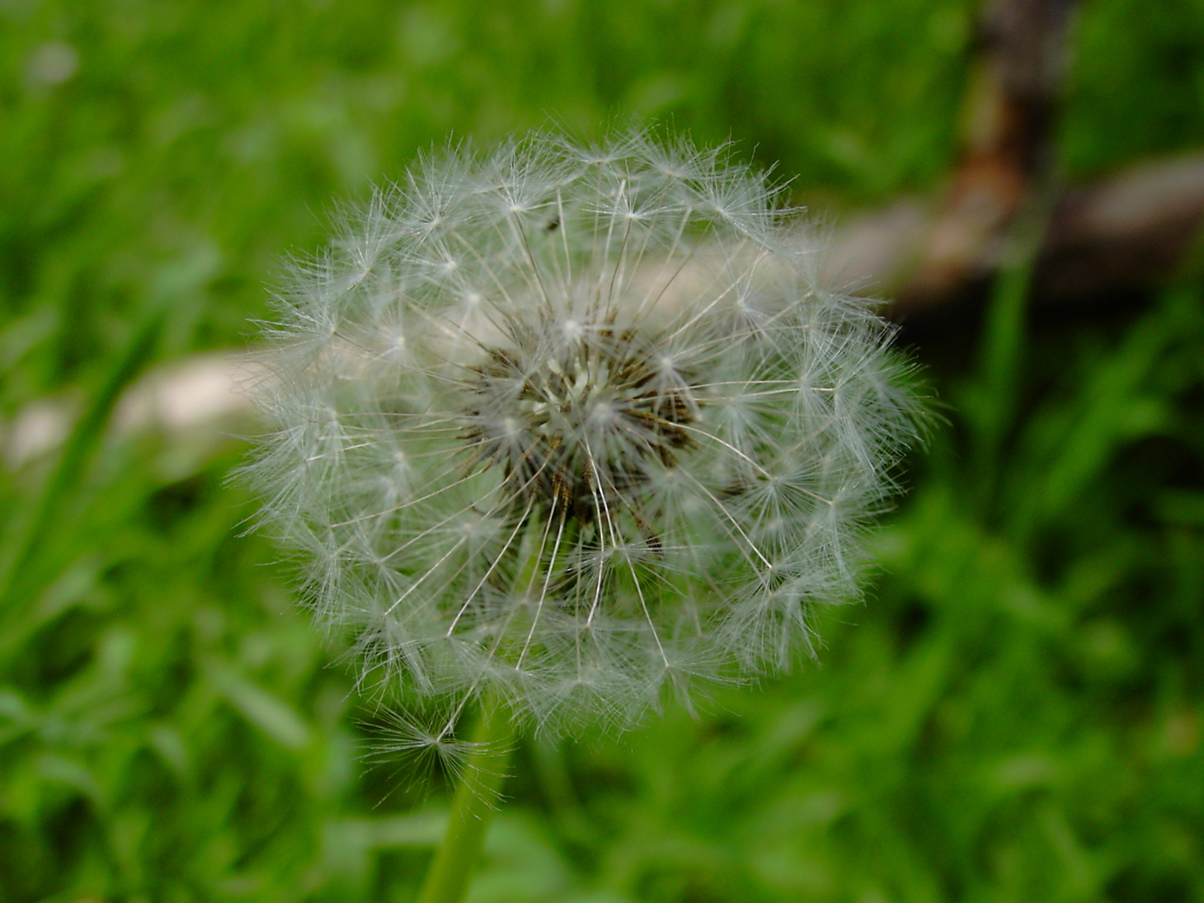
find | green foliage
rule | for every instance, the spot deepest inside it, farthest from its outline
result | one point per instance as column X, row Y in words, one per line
column 1016, row 715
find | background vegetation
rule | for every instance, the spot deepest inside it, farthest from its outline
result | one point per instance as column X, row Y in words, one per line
column 1015, row 715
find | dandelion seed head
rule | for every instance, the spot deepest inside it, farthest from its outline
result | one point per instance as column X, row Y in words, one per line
column 577, row 427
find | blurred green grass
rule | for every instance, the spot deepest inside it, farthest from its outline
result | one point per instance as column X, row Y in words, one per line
column 1016, row 715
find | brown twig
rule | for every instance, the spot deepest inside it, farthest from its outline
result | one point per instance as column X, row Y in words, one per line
column 1011, row 109
column 1123, row 234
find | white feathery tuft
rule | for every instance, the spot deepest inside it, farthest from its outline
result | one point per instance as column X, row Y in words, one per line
column 577, row 426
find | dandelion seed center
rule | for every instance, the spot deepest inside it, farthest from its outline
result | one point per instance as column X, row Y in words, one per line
column 584, row 425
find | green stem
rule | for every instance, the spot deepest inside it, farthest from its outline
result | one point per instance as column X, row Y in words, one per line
column 473, row 806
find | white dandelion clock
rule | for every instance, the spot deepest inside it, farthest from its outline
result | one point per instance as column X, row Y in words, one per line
column 575, row 427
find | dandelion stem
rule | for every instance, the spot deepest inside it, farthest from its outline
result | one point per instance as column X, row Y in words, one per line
column 475, row 801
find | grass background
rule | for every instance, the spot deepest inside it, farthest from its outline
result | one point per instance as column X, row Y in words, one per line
column 1017, row 713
